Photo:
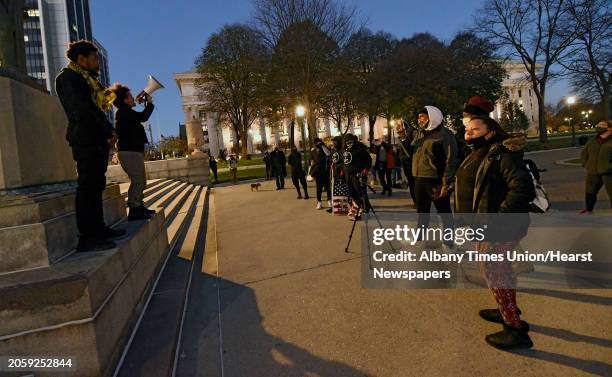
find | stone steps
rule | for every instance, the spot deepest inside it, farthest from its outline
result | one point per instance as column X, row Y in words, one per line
column 161, row 323
column 92, row 300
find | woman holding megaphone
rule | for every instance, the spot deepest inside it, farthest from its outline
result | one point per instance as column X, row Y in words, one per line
column 132, row 138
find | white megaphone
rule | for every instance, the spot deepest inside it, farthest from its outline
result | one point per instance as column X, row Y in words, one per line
column 151, row 87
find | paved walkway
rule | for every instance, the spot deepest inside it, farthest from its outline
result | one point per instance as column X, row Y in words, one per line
column 288, row 302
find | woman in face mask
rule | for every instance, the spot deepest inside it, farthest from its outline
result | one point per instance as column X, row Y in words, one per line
column 493, row 179
column 475, row 106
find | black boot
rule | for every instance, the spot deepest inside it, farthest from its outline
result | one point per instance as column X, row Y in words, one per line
column 493, row 315
column 94, row 244
column 149, row 211
column 110, row 233
column 511, row 338
column 137, row 214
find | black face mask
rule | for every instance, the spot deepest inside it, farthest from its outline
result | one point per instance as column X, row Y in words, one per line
column 477, row 142
column 601, row 130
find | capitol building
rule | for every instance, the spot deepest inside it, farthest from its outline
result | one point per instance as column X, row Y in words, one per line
column 218, row 135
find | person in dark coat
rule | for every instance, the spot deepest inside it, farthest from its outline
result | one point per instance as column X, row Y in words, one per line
column 356, row 163
column 596, row 158
column 406, row 136
column 493, row 179
column 131, row 144
column 266, row 160
column 320, row 165
column 90, row 135
column 297, row 173
column 279, row 167
column 212, row 162
column 434, row 162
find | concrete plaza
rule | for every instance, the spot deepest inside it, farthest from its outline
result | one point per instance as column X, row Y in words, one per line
column 277, row 296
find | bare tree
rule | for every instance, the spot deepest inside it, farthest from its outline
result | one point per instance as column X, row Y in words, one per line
column 232, row 67
column 590, row 62
column 366, row 53
column 332, row 17
column 531, row 31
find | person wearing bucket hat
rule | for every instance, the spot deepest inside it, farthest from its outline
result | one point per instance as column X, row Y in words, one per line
column 433, row 165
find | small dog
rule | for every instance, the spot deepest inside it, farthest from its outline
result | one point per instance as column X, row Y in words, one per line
column 255, row 186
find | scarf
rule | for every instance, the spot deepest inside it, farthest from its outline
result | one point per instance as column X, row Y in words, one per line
column 102, row 97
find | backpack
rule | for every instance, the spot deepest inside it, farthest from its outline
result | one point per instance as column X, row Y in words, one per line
column 540, row 203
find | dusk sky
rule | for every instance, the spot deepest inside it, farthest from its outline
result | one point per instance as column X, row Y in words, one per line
column 161, row 37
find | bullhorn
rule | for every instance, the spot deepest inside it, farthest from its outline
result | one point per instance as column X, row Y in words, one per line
column 152, row 85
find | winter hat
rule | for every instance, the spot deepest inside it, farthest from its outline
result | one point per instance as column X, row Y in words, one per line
column 477, row 105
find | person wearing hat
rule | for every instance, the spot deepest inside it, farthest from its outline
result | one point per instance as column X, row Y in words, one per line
column 475, row 106
column 433, row 165
column 596, row 158
column 493, row 179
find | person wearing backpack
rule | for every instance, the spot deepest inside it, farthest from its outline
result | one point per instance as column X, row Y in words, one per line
column 493, row 179
column 597, row 160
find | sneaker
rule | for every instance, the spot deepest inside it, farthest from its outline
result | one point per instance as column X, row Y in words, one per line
column 306, row 197
column 493, row 315
column 87, row 244
column 511, row 338
column 585, row 212
column 299, row 197
column 319, row 205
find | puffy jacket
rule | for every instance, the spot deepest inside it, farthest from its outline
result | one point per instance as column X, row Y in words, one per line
column 597, row 156
column 503, row 185
column 435, row 151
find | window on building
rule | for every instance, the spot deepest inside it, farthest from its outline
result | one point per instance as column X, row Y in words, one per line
column 520, row 93
column 202, row 114
column 532, row 119
column 529, row 92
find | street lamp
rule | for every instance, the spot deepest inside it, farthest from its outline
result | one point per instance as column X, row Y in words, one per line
column 300, row 111
column 570, row 101
column 391, row 124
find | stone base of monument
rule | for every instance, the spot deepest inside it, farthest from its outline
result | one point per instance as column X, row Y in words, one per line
column 39, row 228
column 85, row 305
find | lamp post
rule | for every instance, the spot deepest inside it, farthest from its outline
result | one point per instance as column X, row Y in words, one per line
column 570, row 101
column 390, row 126
column 300, row 111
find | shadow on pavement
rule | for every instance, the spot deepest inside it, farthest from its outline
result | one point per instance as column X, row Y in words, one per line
column 573, row 296
column 225, row 331
column 570, row 336
column 590, row 366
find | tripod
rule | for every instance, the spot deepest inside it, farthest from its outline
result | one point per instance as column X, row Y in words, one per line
column 367, row 208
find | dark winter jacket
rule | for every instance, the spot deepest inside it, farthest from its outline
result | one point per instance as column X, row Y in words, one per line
column 87, row 124
column 503, row 185
column 597, row 156
column 131, row 133
column 356, row 159
column 321, row 159
column 435, row 155
column 295, row 162
column 279, row 162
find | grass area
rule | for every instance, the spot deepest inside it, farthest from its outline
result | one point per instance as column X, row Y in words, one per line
column 534, row 144
column 243, row 162
column 242, row 175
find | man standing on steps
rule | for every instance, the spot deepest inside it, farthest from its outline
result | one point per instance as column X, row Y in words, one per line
column 90, row 136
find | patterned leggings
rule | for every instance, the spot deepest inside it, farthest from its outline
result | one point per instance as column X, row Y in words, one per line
column 501, row 280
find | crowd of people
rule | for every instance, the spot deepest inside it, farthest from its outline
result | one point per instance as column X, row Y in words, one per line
column 488, row 176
